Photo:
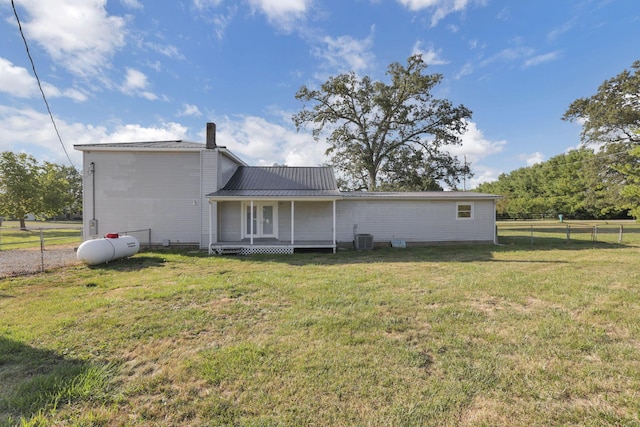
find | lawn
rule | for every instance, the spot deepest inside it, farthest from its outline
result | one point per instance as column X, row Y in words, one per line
column 508, row 335
column 51, row 233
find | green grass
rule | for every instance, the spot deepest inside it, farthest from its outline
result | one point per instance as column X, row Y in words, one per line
column 511, row 335
column 53, row 233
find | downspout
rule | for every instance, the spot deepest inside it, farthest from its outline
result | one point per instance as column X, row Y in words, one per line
column 334, row 226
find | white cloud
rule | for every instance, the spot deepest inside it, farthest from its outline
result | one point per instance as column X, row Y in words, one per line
column 32, row 132
column 132, row 4
column 135, row 83
column 283, row 14
column 135, row 132
column 475, row 146
column 189, row 110
column 18, row 82
column 263, row 143
column 167, row 50
column 430, row 55
column 441, row 8
column 466, row 70
column 78, row 34
column 345, row 53
column 539, row 59
column 205, row 4
column 532, row 159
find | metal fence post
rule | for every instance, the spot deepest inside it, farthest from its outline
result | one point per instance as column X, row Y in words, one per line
column 532, row 234
column 41, row 251
column 620, row 234
column 568, row 233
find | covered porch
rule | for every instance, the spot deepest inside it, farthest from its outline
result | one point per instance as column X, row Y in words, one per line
column 276, row 209
column 271, row 226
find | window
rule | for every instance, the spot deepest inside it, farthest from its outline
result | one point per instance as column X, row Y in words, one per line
column 464, row 210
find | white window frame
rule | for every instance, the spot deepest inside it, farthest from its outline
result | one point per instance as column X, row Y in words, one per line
column 470, row 211
column 258, row 205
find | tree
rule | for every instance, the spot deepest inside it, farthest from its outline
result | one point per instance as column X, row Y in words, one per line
column 611, row 118
column 612, row 115
column 380, row 132
column 60, row 190
column 19, row 186
column 47, row 190
column 576, row 184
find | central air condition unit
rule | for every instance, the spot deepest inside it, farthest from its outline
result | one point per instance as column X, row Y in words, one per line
column 364, row 242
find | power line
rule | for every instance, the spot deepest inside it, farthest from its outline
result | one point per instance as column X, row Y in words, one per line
column 33, row 67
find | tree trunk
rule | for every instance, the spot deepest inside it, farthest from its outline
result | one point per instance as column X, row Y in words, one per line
column 23, row 226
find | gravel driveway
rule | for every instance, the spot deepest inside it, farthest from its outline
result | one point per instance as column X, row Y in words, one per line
column 28, row 261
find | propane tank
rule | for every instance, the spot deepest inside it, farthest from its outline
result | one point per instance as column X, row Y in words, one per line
column 110, row 248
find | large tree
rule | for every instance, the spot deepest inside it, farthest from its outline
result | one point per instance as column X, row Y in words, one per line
column 611, row 119
column 47, row 190
column 612, row 115
column 387, row 136
column 19, row 186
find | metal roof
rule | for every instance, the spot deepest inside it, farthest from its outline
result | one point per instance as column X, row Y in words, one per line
column 144, row 145
column 280, row 181
column 419, row 195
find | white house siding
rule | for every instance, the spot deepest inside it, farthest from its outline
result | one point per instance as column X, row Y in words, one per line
column 417, row 221
column 140, row 190
column 312, row 220
column 230, row 228
column 209, row 166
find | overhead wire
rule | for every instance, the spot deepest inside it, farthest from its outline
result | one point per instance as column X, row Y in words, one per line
column 35, row 73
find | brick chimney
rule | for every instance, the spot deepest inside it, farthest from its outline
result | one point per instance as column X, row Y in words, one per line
column 211, row 136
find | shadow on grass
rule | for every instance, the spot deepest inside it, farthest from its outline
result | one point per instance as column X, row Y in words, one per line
column 435, row 253
column 36, row 381
column 140, row 261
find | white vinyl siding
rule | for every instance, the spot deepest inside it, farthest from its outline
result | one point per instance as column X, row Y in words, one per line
column 414, row 220
column 138, row 190
column 312, row 220
column 229, row 217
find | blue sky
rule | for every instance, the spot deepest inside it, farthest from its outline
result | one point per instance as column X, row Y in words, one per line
column 139, row 70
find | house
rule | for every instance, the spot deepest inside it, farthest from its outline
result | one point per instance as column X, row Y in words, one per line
column 191, row 194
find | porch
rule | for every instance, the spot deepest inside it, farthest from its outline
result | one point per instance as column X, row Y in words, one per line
column 268, row 246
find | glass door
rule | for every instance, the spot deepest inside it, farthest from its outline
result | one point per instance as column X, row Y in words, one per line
column 265, row 220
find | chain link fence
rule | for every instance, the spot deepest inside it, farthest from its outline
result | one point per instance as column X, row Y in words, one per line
column 37, row 249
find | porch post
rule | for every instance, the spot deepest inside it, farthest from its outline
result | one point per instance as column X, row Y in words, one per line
column 292, row 217
column 210, row 231
column 334, row 226
column 251, row 221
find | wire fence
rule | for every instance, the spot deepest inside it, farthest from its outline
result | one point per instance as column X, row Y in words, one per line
column 41, row 248
column 545, row 233
column 37, row 249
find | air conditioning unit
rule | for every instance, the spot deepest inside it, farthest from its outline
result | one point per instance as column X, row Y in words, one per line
column 363, row 242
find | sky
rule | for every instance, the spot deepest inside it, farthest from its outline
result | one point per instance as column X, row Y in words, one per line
column 146, row 70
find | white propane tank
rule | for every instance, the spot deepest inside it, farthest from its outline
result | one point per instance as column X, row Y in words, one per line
column 112, row 247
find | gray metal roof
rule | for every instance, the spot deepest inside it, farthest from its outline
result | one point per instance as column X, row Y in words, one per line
column 422, row 195
column 280, row 181
column 143, row 145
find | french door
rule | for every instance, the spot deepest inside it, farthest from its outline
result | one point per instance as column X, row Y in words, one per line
column 265, row 220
